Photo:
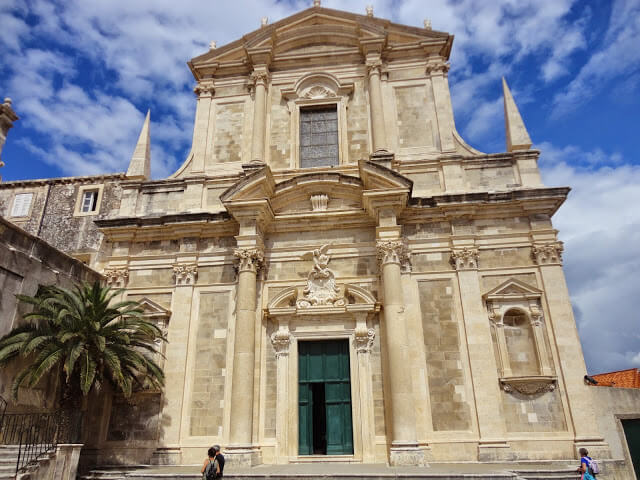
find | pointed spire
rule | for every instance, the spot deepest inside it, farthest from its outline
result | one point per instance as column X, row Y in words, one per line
column 516, row 133
column 140, row 165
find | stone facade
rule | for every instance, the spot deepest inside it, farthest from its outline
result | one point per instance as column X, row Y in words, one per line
column 438, row 263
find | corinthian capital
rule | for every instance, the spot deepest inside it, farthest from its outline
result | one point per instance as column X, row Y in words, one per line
column 364, row 339
column 391, row 251
column 548, row 254
column 204, row 90
column 260, row 77
column 185, row 274
column 439, row 67
column 250, row 259
column 116, row 277
column 374, row 67
column 465, row 259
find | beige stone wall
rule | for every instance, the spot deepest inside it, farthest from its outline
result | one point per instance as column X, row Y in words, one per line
column 136, row 419
column 613, row 405
column 209, row 369
column 228, row 137
column 414, row 111
column 533, row 413
column 280, row 132
column 443, row 348
column 358, row 123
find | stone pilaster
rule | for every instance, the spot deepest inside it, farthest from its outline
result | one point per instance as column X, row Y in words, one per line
column 548, row 256
column 241, row 449
column 437, row 70
column 404, row 444
column 260, row 78
column 378, row 132
column 484, row 370
column 202, row 125
column 363, row 340
column 281, row 341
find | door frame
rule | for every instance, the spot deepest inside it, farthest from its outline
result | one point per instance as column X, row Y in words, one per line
column 332, row 327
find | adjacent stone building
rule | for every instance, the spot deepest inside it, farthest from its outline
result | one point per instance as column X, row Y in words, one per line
column 339, row 274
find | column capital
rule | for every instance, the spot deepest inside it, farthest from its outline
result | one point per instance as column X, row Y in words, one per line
column 116, row 277
column 550, row 253
column 203, row 90
column 437, row 67
column 281, row 340
column 391, row 251
column 250, row 259
column 185, row 274
column 465, row 259
column 364, row 339
column 374, row 66
column 260, row 76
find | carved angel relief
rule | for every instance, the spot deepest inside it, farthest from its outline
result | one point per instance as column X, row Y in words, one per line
column 321, row 286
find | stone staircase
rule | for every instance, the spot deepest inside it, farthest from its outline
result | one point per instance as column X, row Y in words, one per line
column 461, row 471
column 8, row 459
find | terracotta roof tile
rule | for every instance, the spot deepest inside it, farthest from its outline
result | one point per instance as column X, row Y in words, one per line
column 629, row 378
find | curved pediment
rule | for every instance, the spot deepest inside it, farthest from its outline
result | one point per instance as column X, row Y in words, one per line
column 356, row 299
column 317, row 192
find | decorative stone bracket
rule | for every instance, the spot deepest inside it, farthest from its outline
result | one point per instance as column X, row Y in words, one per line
column 529, row 385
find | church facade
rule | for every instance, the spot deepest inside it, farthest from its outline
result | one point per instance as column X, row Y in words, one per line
column 339, row 275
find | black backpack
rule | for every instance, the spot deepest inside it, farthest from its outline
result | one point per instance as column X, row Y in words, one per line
column 211, row 474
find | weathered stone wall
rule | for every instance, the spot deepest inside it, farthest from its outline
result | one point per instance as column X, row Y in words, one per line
column 208, row 383
column 280, row 141
column 377, row 384
column 228, row 136
column 489, row 177
column 613, row 405
column 135, row 419
column 358, row 124
column 533, row 413
column 449, row 406
column 414, row 109
column 269, row 399
column 26, row 262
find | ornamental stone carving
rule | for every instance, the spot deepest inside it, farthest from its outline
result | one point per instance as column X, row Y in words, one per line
column 438, row 68
column 321, row 286
column 185, row 274
column 204, row 90
column 318, row 91
column 259, row 77
column 548, row 254
column 364, row 339
column 250, row 259
column 391, row 251
column 528, row 385
column 465, row 259
column 281, row 339
column 117, row 277
column 319, row 202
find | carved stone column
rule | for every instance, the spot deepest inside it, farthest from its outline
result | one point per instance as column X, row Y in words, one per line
column 261, row 79
column 404, row 445
column 378, row 132
column 484, row 370
column 241, row 448
column 549, row 258
column 363, row 339
column 281, row 341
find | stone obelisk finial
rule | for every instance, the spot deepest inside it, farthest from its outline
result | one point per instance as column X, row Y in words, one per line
column 140, row 165
column 516, row 133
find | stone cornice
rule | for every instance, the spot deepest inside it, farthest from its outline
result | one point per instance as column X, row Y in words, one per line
column 64, row 180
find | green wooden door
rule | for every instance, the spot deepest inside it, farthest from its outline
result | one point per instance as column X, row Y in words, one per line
column 324, row 405
column 632, row 433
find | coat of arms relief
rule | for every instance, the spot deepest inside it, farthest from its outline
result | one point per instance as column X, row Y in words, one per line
column 321, row 286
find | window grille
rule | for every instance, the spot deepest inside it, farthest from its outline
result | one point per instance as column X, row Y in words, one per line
column 319, row 136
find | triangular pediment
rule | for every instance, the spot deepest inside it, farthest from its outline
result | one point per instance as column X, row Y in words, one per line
column 513, row 288
column 317, row 27
column 153, row 309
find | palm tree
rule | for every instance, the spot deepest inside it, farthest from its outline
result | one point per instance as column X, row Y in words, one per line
column 86, row 340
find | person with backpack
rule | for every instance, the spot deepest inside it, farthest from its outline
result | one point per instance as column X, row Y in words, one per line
column 588, row 466
column 211, row 468
column 219, row 459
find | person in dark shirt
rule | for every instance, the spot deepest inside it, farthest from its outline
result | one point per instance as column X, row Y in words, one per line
column 220, row 459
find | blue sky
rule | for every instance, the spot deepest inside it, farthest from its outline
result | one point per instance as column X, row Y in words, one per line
column 82, row 75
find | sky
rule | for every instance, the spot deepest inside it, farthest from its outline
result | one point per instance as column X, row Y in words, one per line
column 83, row 74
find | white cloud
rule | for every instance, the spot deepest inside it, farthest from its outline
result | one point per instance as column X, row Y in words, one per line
column 619, row 55
column 600, row 226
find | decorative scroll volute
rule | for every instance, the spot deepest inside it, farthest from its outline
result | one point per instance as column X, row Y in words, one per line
column 364, row 339
column 281, row 339
column 249, row 259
